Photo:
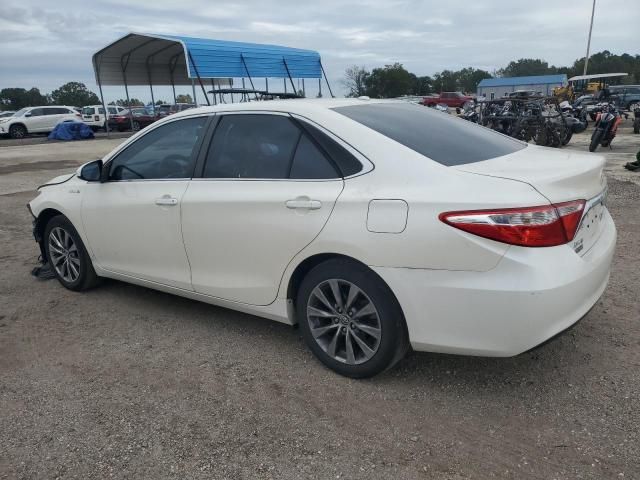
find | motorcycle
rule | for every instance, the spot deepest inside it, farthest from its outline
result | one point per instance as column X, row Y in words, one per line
column 607, row 120
column 636, row 119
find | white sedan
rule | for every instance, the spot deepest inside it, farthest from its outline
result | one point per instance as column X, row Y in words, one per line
column 374, row 225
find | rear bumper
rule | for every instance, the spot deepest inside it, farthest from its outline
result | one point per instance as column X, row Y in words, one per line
column 530, row 296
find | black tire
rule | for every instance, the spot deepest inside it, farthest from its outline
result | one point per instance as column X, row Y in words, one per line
column 86, row 277
column 393, row 342
column 18, row 131
column 636, row 125
column 595, row 139
column 567, row 137
column 136, row 126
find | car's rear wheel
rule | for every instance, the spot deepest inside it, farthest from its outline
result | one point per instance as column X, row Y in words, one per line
column 136, row 126
column 67, row 255
column 350, row 319
column 18, row 131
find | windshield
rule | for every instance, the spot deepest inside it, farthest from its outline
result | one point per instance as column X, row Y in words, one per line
column 439, row 136
column 21, row 112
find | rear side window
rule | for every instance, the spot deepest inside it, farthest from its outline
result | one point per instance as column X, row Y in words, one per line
column 252, row 146
column 310, row 163
column 444, row 138
column 342, row 158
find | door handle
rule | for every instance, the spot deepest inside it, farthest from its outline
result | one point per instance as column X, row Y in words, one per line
column 304, row 203
column 166, row 200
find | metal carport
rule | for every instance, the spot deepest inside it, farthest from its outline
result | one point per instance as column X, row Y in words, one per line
column 158, row 59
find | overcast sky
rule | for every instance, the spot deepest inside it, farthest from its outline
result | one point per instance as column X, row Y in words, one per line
column 45, row 44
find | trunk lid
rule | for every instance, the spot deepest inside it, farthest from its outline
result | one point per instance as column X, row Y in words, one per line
column 560, row 176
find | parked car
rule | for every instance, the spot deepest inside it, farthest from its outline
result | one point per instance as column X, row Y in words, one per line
column 452, row 243
column 7, row 113
column 625, row 96
column 93, row 115
column 122, row 121
column 37, row 120
column 450, row 99
column 166, row 109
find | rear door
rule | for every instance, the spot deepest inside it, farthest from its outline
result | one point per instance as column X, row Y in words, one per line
column 266, row 191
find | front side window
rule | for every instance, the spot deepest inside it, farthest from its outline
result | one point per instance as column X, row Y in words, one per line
column 252, row 146
column 37, row 112
column 168, row 151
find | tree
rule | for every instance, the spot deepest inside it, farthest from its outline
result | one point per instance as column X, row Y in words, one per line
column 17, row 98
column 184, row 98
column 134, row 102
column 74, row 94
column 355, row 80
column 160, row 102
column 467, row 79
column 422, row 85
column 525, row 67
column 389, row 81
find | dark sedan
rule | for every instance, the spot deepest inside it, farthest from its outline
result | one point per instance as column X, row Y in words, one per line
column 123, row 121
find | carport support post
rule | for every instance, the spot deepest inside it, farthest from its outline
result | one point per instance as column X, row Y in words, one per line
column 326, row 80
column 126, row 90
column 213, row 93
column 304, row 91
column 193, row 89
column 104, row 105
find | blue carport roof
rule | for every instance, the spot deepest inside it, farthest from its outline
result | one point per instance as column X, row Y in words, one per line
column 160, row 59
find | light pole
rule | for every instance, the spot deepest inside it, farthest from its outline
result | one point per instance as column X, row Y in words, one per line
column 586, row 59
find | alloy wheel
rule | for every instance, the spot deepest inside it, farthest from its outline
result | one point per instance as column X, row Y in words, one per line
column 64, row 254
column 344, row 321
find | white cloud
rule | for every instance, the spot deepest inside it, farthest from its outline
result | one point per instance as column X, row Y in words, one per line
column 46, row 44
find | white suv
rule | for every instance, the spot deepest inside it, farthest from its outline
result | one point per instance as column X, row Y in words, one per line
column 93, row 115
column 37, row 120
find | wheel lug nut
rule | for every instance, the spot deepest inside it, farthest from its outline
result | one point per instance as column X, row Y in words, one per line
column 353, row 325
column 335, row 320
column 344, row 329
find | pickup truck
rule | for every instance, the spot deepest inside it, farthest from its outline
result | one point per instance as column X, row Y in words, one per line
column 450, row 99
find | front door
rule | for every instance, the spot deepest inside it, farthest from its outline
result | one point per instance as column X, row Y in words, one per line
column 132, row 219
column 266, row 192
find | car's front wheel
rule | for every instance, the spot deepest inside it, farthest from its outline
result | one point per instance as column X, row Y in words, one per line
column 350, row 319
column 67, row 255
column 18, row 131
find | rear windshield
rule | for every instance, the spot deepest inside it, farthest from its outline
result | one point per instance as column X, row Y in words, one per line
column 88, row 110
column 441, row 137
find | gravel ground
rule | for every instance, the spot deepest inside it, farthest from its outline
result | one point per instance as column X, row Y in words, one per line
column 126, row 382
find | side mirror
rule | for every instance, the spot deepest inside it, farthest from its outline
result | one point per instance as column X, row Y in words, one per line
column 91, row 172
column 28, row 114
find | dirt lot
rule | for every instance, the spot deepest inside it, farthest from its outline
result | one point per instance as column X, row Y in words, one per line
column 126, row 382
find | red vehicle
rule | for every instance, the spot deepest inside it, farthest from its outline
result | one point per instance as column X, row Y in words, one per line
column 122, row 121
column 450, row 99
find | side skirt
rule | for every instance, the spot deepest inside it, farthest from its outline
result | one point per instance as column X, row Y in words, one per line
column 278, row 310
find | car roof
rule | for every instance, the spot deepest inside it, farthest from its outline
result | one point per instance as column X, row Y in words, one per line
column 299, row 106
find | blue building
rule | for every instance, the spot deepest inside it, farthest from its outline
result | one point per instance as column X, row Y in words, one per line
column 499, row 87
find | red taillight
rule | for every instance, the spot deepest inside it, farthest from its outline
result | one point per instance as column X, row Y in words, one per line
column 543, row 226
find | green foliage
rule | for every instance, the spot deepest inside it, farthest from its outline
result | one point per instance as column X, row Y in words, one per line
column 525, row 67
column 134, row 102
column 389, row 81
column 184, row 98
column 74, row 94
column 17, row 98
column 394, row 80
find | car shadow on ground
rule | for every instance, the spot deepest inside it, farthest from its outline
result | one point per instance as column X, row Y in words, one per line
column 553, row 362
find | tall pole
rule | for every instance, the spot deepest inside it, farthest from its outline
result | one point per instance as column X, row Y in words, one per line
column 586, row 59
